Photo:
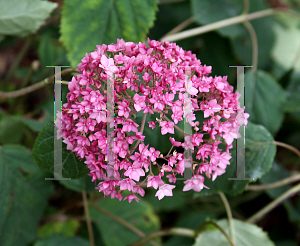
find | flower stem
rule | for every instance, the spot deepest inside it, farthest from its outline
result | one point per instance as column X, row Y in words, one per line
column 88, row 218
column 180, row 27
column 280, row 183
column 173, row 231
column 143, row 122
column 36, row 86
column 229, row 215
column 289, row 193
column 142, row 130
column 291, row 148
column 219, row 24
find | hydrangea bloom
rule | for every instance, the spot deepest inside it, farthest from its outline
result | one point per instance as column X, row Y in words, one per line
column 155, row 73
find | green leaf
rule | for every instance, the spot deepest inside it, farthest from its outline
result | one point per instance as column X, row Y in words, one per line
column 22, row 17
column 260, row 91
column 83, row 183
column 67, row 228
column 50, row 53
column 207, row 11
column 24, row 193
column 11, row 130
column 36, row 125
column 292, row 103
column 43, row 154
column 259, row 156
column 58, row 239
column 245, row 234
column 139, row 214
column 86, row 24
column 286, row 48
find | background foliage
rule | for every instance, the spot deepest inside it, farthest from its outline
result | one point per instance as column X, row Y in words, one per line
column 35, row 34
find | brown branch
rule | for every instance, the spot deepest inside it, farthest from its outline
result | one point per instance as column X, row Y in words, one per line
column 36, row 86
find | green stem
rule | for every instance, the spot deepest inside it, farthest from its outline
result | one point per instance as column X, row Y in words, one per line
column 205, row 224
column 280, row 183
column 289, row 193
column 246, row 7
column 88, row 218
column 173, row 231
column 180, row 27
column 229, row 215
column 291, row 148
column 254, row 43
column 166, row 118
column 34, row 87
column 219, row 24
column 142, row 130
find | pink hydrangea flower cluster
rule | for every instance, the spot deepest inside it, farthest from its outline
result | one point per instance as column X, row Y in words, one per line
column 156, row 73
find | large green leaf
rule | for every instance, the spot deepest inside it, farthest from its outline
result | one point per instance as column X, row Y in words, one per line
column 22, row 17
column 11, row 130
column 139, row 214
column 51, row 54
column 259, row 156
column 207, row 11
column 43, row 154
column 245, row 235
column 292, row 103
column 67, row 227
column 86, row 24
column 58, row 239
column 260, row 91
column 24, row 193
column 287, row 47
